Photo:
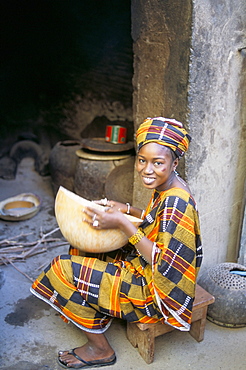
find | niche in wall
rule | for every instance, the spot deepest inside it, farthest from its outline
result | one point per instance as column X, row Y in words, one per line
column 65, row 63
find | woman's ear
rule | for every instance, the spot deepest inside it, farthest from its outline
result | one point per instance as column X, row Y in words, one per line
column 175, row 163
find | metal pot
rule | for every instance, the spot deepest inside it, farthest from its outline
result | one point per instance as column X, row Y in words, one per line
column 227, row 283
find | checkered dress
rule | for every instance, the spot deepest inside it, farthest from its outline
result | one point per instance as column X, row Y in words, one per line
column 89, row 291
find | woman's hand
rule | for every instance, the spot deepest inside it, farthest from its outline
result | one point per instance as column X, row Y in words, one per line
column 111, row 218
column 122, row 207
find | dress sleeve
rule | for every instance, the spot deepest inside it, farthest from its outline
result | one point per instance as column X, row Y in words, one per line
column 176, row 258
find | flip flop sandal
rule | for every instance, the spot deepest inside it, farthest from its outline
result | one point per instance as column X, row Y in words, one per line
column 87, row 364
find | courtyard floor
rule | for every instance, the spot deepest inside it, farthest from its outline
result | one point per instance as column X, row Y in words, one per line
column 32, row 333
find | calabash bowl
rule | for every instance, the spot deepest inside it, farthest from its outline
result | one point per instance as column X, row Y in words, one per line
column 70, row 215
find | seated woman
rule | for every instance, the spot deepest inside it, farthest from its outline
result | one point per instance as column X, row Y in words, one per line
column 156, row 281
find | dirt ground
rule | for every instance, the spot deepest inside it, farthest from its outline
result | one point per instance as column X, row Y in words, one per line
column 32, row 332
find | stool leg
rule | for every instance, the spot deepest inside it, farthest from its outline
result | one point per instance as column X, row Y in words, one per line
column 198, row 327
column 132, row 333
column 144, row 340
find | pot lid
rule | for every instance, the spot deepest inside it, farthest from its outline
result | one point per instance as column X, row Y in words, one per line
column 97, row 156
column 99, row 144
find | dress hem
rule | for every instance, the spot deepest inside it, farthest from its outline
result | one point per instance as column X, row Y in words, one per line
column 94, row 331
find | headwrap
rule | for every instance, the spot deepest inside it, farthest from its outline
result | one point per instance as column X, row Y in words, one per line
column 164, row 131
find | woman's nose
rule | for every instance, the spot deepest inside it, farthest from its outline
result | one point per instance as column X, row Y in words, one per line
column 148, row 168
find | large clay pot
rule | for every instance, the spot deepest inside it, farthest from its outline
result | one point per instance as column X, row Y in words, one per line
column 96, row 175
column 119, row 182
column 228, row 287
column 69, row 211
column 62, row 163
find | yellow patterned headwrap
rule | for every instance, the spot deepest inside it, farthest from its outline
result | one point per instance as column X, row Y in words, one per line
column 164, row 131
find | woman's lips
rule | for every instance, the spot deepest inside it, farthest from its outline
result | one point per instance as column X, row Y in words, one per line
column 148, row 180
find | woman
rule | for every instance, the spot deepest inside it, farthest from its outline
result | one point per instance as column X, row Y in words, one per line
column 156, row 281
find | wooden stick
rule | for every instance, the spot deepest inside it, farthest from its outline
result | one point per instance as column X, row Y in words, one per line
column 25, row 250
column 33, row 252
column 27, row 244
column 39, row 242
column 21, row 246
column 17, row 236
column 23, row 273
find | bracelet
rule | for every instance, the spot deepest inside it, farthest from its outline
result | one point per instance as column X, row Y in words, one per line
column 135, row 238
column 128, row 208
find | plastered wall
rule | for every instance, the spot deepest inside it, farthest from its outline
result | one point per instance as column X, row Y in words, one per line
column 211, row 105
column 215, row 165
column 161, row 65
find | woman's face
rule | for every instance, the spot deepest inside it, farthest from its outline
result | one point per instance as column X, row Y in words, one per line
column 155, row 166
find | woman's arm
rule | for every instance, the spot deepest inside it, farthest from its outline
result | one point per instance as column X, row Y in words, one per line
column 113, row 219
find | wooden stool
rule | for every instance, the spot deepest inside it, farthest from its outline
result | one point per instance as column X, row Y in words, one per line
column 143, row 335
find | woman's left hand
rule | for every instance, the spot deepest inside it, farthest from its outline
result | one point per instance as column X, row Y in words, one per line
column 108, row 219
column 122, row 207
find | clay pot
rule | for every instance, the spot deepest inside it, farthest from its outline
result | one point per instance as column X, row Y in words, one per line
column 228, row 287
column 119, row 182
column 62, row 163
column 96, row 175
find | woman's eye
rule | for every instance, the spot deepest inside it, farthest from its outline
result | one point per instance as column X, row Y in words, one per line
column 141, row 160
column 158, row 163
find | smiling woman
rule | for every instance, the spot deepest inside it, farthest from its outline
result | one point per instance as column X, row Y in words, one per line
column 156, row 166
column 152, row 278
column 161, row 142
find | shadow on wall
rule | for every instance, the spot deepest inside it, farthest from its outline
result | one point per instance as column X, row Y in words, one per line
column 56, row 52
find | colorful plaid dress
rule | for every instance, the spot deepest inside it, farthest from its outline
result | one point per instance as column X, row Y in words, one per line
column 90, row 292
